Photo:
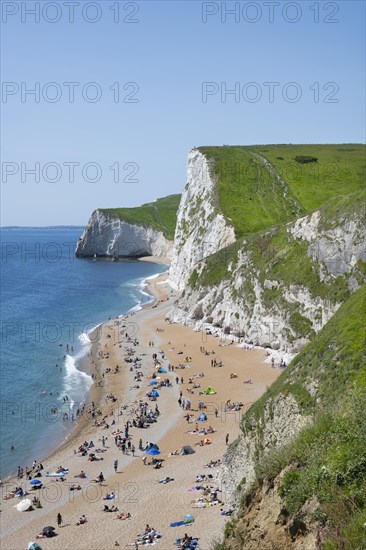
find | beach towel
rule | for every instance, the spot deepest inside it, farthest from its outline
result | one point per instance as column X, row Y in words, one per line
column 187, row 520
column 55, row 474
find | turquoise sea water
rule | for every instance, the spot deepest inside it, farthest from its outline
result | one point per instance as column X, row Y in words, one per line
column 50, row 299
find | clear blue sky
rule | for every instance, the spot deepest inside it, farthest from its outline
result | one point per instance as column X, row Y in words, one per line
column 172, row 49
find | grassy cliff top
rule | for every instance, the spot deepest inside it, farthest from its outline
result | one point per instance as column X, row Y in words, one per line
column 160, row 214
column 264, row 185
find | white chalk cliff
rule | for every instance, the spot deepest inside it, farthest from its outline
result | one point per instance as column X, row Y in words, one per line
column 109, row 236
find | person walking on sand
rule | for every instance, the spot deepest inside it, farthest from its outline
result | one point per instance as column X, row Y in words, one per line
column 227, row 439
column 115, row 465
column 59, row 519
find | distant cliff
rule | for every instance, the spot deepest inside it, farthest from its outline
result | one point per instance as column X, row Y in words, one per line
column 147, row 230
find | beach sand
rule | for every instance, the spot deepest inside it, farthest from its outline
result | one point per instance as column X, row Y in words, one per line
column 136, row 485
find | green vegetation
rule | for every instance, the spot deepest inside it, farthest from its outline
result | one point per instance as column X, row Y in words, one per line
column 340, row 170
column 160, row 215
column 253, row 196
column 327, row 460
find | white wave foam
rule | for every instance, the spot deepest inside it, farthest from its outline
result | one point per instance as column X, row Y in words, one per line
column 76, row 381
column 156, row 275
column 84, row 338
column 135, row 308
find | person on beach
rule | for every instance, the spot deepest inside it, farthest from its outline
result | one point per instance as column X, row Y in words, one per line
column 82, row 520
column 59, row 519
column 227, row 439
column 123, row 516
column 115, row 465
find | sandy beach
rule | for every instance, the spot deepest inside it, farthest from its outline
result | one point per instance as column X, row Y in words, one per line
column 136, row 485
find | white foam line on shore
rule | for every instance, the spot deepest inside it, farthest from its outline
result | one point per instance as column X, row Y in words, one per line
column 143, row 284
column 156, row 275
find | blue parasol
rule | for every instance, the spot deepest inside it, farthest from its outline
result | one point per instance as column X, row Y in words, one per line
column 153, row 451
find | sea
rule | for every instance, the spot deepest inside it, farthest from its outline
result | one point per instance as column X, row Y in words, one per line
column 50, row 303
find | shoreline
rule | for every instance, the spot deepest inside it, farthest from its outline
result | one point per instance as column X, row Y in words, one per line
column 95, row 392
column 170, row 432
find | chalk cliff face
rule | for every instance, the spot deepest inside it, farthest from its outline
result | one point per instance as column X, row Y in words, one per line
column 268, row 306
column 201, row 228
column 108, row 236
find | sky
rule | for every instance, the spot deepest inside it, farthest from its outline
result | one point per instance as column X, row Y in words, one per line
column 123, row 90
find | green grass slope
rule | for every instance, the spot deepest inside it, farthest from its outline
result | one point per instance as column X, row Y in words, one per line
column 256, row 195
column 326, row 461
column 160, row 215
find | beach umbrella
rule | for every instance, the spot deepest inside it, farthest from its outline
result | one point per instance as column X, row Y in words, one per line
column 189, row 518
column 153, row 383
column 24, row 505
column 36, row 482
column 153, row 451
column 155, row 393
column 34, row 546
